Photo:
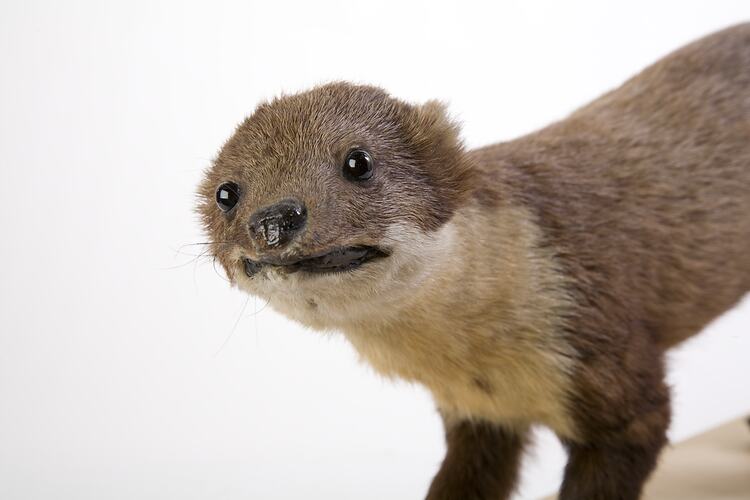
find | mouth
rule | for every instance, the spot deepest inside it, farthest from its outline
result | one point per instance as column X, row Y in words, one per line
column 334, row 261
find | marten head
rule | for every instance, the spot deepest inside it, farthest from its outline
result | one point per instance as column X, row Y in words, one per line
column 327, row 203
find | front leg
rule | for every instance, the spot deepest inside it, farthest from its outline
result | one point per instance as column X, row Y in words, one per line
column 618, row 450
column 607, row 473
column 481, row 462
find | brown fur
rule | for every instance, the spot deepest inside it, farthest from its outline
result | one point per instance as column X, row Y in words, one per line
column 482, row 462
column 535, row 281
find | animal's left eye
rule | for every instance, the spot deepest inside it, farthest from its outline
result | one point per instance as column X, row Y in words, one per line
column 227, row 196
column 358, row 165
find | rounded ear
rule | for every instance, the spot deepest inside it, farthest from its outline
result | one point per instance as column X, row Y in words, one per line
column 434, row 139
column 430, row 127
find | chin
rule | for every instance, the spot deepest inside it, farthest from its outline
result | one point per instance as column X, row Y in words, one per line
column 322, row 300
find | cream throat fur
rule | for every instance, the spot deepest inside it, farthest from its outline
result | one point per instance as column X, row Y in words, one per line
column 482, row 330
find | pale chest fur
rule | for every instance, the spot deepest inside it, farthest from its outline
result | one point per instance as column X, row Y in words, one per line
column 483, row 333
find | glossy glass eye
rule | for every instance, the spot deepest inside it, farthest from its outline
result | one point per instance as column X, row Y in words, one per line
column 358, row 165
column 227, row 196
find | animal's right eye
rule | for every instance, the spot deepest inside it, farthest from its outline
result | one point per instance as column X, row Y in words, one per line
column 227, row 196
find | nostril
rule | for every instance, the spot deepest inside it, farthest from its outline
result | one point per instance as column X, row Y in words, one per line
column 293, row 217
column 270, row 230
column 276, row 224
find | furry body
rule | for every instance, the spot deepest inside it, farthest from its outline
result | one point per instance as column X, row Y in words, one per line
column 534, row 281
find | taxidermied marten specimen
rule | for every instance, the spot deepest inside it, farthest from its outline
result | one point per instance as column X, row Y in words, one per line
column 537, row 281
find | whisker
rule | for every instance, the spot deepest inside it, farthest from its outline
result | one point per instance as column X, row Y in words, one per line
column 258, row 311
column 217, row 271
column 202, row 243
column 196, row 258
column 237, row 322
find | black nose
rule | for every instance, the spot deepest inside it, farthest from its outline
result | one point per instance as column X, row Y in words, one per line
column 277, row 224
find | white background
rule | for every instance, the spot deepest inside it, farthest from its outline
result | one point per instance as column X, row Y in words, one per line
column 113, row 380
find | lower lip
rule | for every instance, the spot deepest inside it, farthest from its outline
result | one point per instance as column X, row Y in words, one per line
column 251, row 267
column 337, row 261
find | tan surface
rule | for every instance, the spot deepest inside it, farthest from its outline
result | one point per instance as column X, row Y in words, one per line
column 712, row 466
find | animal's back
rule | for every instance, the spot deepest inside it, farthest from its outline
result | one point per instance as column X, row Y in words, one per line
column 645, row 193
